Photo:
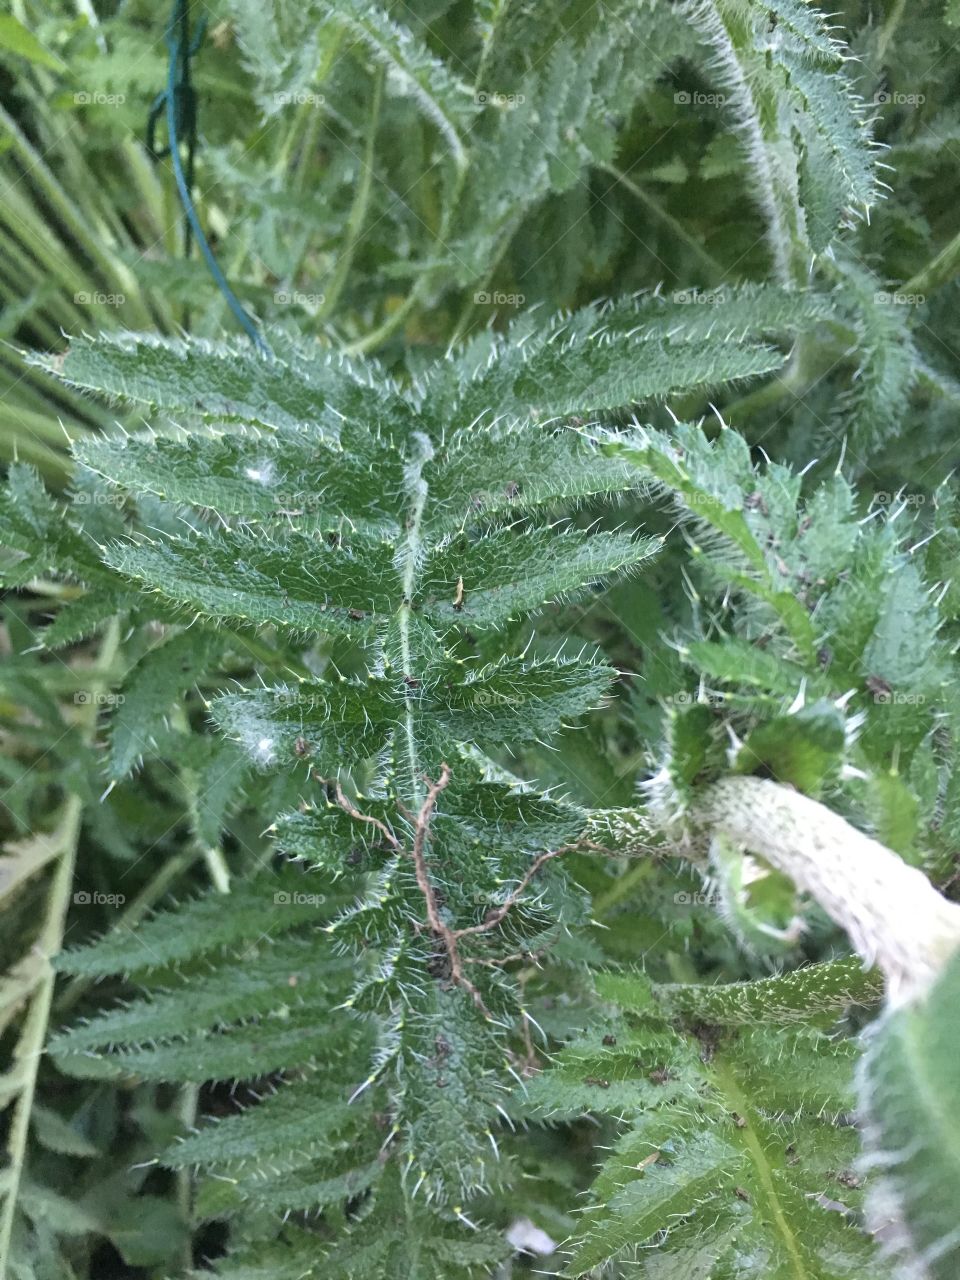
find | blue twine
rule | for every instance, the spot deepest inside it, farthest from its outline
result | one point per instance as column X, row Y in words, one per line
column 178, row 103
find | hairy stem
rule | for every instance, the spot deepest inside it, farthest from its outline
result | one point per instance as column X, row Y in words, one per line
column 891, row 912
column 409, row 563
column 705, row 15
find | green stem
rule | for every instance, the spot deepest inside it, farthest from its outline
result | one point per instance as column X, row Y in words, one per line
column 654, row 206
column 765, row 397
column 187, row 1111
column 470, row 305
column 410, row 556
column 888, row 30
column 295, row 182
column 891, row 912
column 216, row 863
column 29, row 1049
column 943, row 268
column 18, row 445
column 272, row 658
column 780, row 208
column 423, row 283
column 361, row 201
column 766, row 1183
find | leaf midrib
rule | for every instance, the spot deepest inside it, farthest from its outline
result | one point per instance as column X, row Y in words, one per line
column 740, row 1103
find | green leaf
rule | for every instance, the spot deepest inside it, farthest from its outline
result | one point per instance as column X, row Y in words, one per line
column 282, row 979
column 630, row 991
column 669, row 1188
column 267, row 904
column 487, row 581
column 756, row 1176
column 34, row 525
column 18, row 39
column 239, row 1051
column 735, row 661
column 909, row 1091
column 290, row 477
column 304, row 582
column 517, row 701
column 800, row 996
column 320, row 723
column 580, row 368
column 57, row 1135
column 78, row 619
column 804, row 749
column 220, row 382
column 151, row 689
column 413, row 71
column 489, row 471
column 271, row 1132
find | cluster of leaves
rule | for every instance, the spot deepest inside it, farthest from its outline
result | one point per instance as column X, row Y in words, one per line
column 304, row 596
column 736, row 1148
column 425, row 856
column 796, row 638
column 372, row 174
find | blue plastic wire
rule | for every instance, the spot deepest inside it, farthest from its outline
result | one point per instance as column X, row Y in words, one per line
column 178, row 104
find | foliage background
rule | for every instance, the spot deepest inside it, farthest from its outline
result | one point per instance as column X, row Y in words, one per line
column 527, row 159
